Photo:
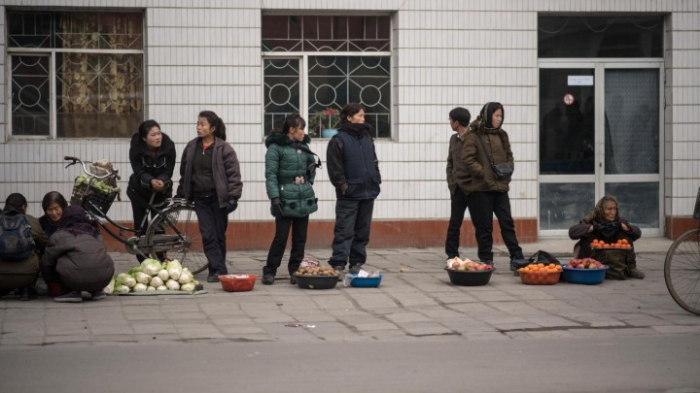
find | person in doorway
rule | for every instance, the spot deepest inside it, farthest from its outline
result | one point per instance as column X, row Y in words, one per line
column 604, row 223
column 458, row 179
column 290, row 170
column 485, row 147
column 19, row 273
column 152, row 157
column 53, row 204
column 210, row 176
column 353, row 169
column 76, row 259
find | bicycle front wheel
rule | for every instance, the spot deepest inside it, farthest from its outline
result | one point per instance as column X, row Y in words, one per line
column 175, row 232
column 682, row 271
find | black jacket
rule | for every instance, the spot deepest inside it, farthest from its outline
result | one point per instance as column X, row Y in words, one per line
column 352, row 165
column 147, row 168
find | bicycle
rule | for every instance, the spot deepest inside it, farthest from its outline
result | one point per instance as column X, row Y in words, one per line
column 682, row 267
column 173, row 230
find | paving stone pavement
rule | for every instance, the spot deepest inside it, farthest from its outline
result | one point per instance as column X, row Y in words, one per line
column 414, row 302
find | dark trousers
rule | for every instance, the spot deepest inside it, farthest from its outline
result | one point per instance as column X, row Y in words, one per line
column 139, row 206
column 482, row 206
column 458, row 208
column 299, row 226
column 213, row 221
column 353, row 219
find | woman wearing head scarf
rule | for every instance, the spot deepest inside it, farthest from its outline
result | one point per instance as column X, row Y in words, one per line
column 604, row 223
column 488, row 158
column 76, row 260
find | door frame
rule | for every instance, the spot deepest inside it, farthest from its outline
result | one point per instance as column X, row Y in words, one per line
column 599, row 178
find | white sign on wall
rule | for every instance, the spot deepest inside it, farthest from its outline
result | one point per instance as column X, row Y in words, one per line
column 580, row 80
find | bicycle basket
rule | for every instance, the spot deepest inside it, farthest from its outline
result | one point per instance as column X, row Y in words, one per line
column 92, row 198
column 696, row 213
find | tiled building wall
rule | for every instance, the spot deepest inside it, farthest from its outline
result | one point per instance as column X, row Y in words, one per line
column 206, row 55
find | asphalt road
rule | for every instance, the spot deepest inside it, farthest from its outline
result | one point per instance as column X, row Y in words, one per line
column 582, row 364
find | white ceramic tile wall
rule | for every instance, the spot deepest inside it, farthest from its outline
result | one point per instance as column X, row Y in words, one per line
column 206, row 55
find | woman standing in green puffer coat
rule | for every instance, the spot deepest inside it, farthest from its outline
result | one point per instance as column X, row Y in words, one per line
column 290, row 169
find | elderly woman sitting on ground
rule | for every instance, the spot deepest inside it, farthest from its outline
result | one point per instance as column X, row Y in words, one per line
column 604, row 223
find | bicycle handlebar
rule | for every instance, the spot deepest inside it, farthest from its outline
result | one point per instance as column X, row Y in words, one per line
column 85, row 170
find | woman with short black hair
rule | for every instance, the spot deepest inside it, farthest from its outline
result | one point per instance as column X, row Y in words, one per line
column 53, row 204
column 76, row 259
column 152, row 156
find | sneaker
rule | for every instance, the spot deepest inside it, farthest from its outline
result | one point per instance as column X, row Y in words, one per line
column 268, row 279
column 354, row 269
column 340, row 270
column 293, row 279
column 635, row 273
column 73, row 297
column 99, row 295
column 213, row 278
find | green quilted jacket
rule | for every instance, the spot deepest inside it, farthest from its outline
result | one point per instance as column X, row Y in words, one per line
column 283, row 163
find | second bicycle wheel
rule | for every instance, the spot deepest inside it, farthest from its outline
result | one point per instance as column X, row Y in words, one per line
column 682, row 271
column 175, row 232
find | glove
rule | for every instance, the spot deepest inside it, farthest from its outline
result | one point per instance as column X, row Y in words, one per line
column 276, row 208
column 231, row 205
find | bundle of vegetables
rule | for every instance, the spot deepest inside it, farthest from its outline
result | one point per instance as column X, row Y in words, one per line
column 154, row 276
column 83, row 179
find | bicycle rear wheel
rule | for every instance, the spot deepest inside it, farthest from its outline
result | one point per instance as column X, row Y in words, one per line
column 175, row 232
column 682, row 271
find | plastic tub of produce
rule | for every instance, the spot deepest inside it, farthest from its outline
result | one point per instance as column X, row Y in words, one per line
column 237, row 282
column 469, row 278
column 584, row 276
column 364, row 282
column 539, row 278
column 316, row 282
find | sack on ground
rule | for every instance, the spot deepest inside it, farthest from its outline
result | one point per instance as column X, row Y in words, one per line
column 616, row 260
column 16, row 242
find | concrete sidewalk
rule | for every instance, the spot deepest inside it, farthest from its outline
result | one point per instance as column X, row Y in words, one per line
column 415, row 302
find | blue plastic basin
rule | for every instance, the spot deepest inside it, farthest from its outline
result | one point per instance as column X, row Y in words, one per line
column 364, row 282
column 584, row 276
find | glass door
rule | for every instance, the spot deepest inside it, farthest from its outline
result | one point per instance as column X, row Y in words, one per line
column 600, row 127
column 567, row 146
column 631, row 134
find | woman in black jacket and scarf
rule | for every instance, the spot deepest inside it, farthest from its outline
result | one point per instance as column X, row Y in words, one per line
column 483, row 149
column 152, row 156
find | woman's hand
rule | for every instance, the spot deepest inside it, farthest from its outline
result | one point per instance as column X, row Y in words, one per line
column 590, row 229
column 625, row 227
column 158, row 185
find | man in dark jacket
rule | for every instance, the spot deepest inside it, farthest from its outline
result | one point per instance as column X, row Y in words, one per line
column 458, row 179
column 353, row 169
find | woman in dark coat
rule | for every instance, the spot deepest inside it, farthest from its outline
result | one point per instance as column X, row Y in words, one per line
column 488, row 193
column 76, row 260
column 290, row 169
column 152, row 156
column 211, row 177
column 604, row 223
